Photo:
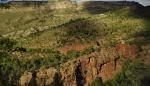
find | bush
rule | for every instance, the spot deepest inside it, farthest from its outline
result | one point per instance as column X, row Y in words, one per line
column 111, row 83
column 10, row 69
column 6, row 44
column 5, row 6
column 73, row 54
column 89, row 50
column 97, row 82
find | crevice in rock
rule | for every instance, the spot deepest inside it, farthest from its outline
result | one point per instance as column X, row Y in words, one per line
column 79, row 76
column 33, row 81
column 115, row 61
column 97, row 43
column 101, row 65
column 57, row 80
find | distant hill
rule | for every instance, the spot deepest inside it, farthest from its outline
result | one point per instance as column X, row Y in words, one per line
column 143, row 11
column 104, row 6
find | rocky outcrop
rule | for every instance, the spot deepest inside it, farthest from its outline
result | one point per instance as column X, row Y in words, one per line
column 105, row 64
column 83, row 70
column 25, row 78
column 40, row 77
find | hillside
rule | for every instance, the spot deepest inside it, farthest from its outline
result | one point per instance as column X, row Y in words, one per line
column 76, row 45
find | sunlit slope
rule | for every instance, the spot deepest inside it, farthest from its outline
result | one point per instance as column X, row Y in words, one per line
column 45, row 28
column 121, row 26
column 41, row 39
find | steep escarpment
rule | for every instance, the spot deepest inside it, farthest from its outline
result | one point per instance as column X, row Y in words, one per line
column 83, row 70
column 105, row 64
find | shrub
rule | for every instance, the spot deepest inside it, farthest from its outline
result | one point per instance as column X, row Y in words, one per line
column 111, row 83
column 73, row 54
column 89, row 50
column 10, row 70
column 97, row 82
column 5, row 6
column 6, row 44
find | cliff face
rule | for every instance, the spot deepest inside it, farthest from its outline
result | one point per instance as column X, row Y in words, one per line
column 83, row 70
column 105, row 64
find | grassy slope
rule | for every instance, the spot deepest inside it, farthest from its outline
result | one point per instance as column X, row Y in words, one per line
column 110, row 28
column 73, row 26
column 114, row 27
column 120, row 26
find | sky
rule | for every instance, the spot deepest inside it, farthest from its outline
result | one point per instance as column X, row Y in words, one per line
column 143, row 2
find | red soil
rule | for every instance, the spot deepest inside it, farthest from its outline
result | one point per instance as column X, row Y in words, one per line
column 127, row 51
column 76, row 47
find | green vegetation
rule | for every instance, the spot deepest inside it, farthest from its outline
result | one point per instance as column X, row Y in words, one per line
column 133, row 74
column 6, row 44
column 5, row 6
column 35, row 46
column 74, row 54
column 97, row 82
column 11, row 68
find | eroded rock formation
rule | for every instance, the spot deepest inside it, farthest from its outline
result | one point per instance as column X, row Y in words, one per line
column 83, row 70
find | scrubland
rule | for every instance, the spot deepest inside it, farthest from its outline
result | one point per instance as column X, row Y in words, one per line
column 39, row 37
